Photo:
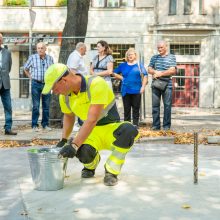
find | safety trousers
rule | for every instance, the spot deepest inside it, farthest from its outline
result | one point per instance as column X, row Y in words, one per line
column 117, row 137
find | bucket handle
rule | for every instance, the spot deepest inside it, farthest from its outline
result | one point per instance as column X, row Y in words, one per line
column 65, row 166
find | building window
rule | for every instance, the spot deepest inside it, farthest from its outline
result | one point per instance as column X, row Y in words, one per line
column 113, row 3
column 180, row 80
column 187, row 7
column 172, row 7
column 202, row 7
column 127, row 3
column 39, row 2
column 98, row 3
column 185, row 49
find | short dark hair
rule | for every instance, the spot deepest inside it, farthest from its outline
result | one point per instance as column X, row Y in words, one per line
column 107, row 50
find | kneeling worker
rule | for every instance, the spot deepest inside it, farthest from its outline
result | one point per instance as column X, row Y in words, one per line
column 91, row 99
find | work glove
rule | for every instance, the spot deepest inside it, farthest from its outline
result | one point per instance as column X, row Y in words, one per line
column 62, row 142
column 69, row 150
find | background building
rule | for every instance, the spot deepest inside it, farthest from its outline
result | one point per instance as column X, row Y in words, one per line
column 191, row 27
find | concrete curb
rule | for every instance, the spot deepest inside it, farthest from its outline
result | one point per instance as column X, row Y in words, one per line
column 213, row 139
column 157, row 140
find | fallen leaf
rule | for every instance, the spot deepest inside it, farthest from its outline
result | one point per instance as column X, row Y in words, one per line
column 186, row 206
column 202, row 174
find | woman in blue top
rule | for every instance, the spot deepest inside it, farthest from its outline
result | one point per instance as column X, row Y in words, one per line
column 133, row 84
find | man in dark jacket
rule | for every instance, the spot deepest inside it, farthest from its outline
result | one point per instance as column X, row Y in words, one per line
column 5, row 68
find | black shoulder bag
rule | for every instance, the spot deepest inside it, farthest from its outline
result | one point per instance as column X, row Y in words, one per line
column 160, row 83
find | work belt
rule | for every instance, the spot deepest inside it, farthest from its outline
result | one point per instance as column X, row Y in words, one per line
column 38, row 81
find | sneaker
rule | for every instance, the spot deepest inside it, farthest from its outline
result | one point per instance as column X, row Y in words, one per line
column 46, row 128
column 86, row 173
column 110, row 179
column 10, row 132
column 76, row 128
column 166, row 129
column 155, row 129
column 35, row 129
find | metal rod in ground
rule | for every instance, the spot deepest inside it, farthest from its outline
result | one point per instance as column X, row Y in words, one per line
column 195, row 157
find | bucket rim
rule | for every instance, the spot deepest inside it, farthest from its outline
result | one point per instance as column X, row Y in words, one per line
column 43, row 150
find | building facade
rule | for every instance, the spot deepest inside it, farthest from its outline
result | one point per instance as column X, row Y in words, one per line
column 191, row 28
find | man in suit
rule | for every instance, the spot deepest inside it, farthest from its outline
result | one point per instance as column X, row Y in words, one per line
column 5, row 68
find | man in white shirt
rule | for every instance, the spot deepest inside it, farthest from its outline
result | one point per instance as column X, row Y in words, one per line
column 75, row 60
column 76, row 63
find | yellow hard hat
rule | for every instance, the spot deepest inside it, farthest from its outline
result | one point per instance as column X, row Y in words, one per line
column 52, row 75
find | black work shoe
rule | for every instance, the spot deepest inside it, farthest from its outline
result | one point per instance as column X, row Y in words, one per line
column 10, row 132
column 110, row 179
column 86, row 173
column 155, row 129
column 166, row 129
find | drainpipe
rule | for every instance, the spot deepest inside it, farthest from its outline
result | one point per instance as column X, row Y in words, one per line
column 30, row 28
column 156, row 9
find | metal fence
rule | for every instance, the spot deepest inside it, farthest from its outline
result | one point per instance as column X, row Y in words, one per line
column 195, row 84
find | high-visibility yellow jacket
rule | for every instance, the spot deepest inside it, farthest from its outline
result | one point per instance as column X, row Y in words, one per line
column 94, row 90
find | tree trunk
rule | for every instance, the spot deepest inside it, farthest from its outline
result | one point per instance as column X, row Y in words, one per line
column 74, row 31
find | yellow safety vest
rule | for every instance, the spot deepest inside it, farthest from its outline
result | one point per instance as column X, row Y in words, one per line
column 109, row 113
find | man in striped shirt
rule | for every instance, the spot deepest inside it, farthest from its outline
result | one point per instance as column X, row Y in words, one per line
column 162, row 66
column 35, row 68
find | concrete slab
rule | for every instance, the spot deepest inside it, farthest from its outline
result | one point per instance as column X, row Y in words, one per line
column 156, row 182
column 213, row 139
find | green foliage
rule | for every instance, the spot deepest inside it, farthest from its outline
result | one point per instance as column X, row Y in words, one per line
column 15, row 2
column 61, row 3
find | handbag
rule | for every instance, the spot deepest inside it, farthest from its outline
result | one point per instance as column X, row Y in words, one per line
column 141, row 73
column 160, row 84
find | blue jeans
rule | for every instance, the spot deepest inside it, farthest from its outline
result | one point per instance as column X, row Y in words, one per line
column 36, row 92
column 6, row 101
column 167, row 102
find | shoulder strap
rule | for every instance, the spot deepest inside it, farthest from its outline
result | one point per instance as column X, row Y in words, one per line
column 97, row 64
column 67, row 102
column 139, row 67
column 89, row 84
column 110, row 105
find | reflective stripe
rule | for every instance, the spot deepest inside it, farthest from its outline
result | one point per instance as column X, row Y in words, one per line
column 110, row 105
column 67, row 102
column 116, row 160
column 121, row 150
column 106, row 110
column 113, row 168
column 118, row 155
column 88, row 86
column 94, row 163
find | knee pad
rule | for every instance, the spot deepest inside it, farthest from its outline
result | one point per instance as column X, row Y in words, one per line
column 125, row 135
column 86, row 153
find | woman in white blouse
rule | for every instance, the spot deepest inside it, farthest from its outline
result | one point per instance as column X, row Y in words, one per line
column 102, row 64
